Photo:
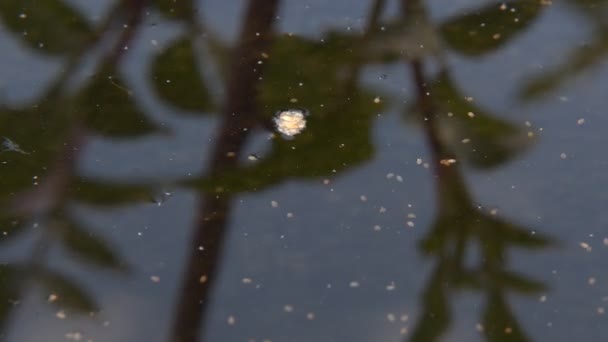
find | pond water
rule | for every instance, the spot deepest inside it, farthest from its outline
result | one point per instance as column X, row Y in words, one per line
column 440, row 176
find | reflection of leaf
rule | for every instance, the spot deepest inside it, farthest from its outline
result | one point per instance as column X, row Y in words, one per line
column 41, row 131
column 520, row 283
column 580, row 60
column 402, row 40
column 177, row 80
column 435, row 319
column 491, row 141
column 49, row 26
column 338, row 131
column 100, row 193
column 499, row 323
column 176, row 9
column 512, row 234
column 488, row 28
column 89, row 247
column 9, row 292
column 109, row 109
column 10, row 227
column 69, row 294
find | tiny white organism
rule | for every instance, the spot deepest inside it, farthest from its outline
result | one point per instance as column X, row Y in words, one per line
column 290, row 122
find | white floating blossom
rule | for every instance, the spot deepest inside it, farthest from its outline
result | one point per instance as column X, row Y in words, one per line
column 290, row 122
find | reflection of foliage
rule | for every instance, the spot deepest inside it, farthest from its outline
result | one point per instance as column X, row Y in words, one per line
column 339, row 109
column 458, row 129
column 49, row 26
column 487, row 28
column 50, row 132
column 488, row 140
column 582, row 57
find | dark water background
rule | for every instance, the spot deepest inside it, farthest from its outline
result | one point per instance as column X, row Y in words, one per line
column 131, row 210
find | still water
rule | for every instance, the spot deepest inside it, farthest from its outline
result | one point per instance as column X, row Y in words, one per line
column 441, row 174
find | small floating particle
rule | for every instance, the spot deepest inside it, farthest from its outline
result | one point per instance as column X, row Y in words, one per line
column 202, row 279
column 60, row 314
column 404, row 318
column 447, row 162
column 382, row 210
column 418, row 161
column 471, row 114
column 74, row 336
column 363, row 198
column 247, row 280
column 231, row 320
column 465, row 140
column 605, row 241
column 591, row 281
column 155, row 279
column 253, row 157
column 391, row 317
column 410, row 224
column 403, row 331
column 390, row 175
column 508, row 330
column 377, row 228
column 274, row 204
column 600, row 310
column 580, row 121
column 354, row 284
column 230, row 154
column 377, row 100
column 585, row 246
column 399, row 178
column 289, row 215
column 542, row 298
column 288, row 308
column 52, row 298
column 479, row 327
column 310, row 316
column 563, row 156
column 494, row 212
column 391, row 286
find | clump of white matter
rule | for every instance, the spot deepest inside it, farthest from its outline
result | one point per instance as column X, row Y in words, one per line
column 290, row 122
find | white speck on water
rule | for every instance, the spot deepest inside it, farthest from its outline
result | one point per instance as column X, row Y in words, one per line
column 585, row 246
column 354, row 284
column 253, row 157
column 399, row 178
column 274, row 204
column 288, row 308
column 580, row 121
column 390, row 175
column 310, row 316
column 231, row 320
column 391, row 286
column 290, row 122
column 391, row 317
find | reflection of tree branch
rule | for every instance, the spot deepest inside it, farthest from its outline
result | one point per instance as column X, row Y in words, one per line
column 239, row 116
column 459, row 224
